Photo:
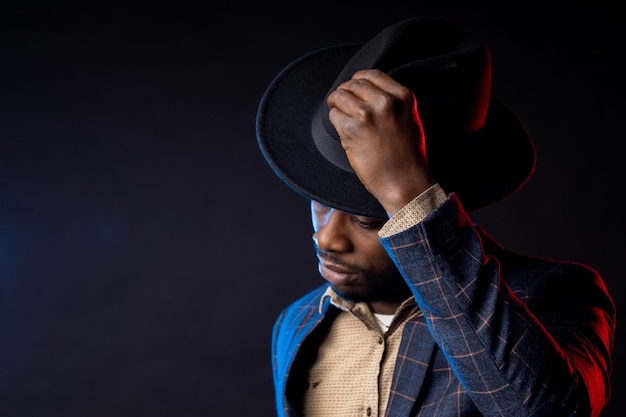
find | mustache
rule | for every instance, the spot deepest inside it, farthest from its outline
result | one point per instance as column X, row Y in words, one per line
column 337, row 260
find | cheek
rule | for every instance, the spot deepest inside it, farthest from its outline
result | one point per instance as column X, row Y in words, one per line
column 376, row 257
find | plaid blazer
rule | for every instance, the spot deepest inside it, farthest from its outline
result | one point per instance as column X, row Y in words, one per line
column 502, row 334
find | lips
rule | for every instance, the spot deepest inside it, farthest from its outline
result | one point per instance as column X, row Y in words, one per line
column 337, row 268
column 337, row 275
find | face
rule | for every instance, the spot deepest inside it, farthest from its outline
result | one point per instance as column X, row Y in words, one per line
column 351, row 257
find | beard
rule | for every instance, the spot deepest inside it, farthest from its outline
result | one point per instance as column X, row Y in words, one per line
column 382, row 284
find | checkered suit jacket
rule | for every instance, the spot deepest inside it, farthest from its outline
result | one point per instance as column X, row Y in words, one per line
column 502, row 334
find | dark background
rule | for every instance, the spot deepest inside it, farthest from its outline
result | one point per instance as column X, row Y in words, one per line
column 146, row 247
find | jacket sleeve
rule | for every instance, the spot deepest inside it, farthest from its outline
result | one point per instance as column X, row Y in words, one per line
column 538, row 344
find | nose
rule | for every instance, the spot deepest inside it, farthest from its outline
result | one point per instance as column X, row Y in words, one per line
column 332, row 232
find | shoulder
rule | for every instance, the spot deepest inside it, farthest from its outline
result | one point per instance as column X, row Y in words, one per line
column 537, row 271
column 545, row 280
column 521, row 267
column 558, row 282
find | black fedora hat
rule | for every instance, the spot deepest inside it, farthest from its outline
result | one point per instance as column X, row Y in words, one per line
column 476, row 147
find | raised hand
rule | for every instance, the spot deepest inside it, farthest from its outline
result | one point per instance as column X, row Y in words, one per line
column 380, row 129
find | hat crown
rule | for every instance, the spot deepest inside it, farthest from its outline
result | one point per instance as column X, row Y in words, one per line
column 447, row 67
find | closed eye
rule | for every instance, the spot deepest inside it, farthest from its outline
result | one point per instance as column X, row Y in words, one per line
column 367, row 223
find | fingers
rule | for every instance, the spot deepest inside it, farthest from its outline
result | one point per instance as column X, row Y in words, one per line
column 365, row 90
column 368, row 100
column 381, row 80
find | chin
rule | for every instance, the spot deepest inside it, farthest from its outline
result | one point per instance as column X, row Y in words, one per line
column 352, row 294
column 360, row 295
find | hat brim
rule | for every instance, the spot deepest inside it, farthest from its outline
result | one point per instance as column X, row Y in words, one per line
column 492, row 165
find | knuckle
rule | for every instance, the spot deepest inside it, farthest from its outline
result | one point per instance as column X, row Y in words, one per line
column 361, row 73
column 406, row 94
column 363, row 114
column 357, row 83
column 370, row 72
column 387, row 102
column 333, row 96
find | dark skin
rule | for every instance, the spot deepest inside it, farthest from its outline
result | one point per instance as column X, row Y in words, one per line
column 353, row 261
column 380, row 130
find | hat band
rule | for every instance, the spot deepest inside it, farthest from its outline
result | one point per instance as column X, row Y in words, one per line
column 328, row 146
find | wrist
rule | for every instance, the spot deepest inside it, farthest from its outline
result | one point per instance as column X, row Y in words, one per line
column 396, row 198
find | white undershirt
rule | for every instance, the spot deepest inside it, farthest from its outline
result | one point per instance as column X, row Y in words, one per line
column 384, row 320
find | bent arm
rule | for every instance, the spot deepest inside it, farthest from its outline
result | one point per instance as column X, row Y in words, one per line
column 535, row 344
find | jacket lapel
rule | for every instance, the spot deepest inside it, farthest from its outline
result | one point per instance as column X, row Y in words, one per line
column 414, row 356
column 292, row 345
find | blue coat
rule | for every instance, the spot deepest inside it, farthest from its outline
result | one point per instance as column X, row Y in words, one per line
column 502, row 334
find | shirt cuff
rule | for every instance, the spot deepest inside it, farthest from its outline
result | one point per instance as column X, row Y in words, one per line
column 414, row 212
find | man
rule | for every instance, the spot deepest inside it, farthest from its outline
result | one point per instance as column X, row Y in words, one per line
column 422, row 314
